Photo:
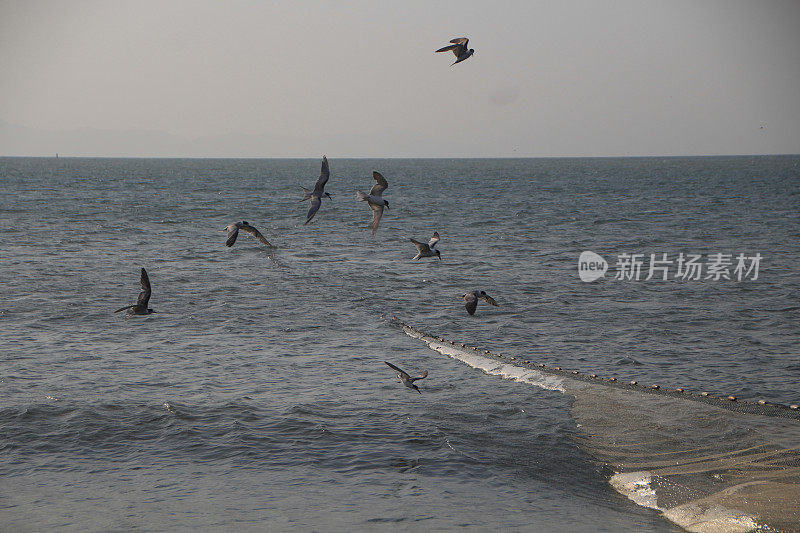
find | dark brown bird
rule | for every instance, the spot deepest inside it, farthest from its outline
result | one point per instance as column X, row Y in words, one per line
column 459, row 48
column 140, row 307
column 407, row 380
column 233, row 232
column 472, row 300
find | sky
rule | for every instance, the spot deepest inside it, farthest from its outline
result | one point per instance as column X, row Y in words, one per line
column 200, row 78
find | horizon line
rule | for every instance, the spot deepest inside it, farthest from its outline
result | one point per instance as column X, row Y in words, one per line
column 648, row 156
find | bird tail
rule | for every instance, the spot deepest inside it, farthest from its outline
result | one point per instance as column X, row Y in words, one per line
column 361, row 195
column 306, row 194
column 124, row 308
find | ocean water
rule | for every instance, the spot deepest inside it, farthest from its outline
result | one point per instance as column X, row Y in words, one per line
column 257, row 397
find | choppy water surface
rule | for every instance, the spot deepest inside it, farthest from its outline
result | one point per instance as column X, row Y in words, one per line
column 257, row 398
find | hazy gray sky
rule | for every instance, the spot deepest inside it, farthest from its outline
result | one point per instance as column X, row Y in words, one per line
column 361, row 79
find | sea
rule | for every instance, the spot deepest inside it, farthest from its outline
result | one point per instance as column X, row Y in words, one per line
column 257, row 398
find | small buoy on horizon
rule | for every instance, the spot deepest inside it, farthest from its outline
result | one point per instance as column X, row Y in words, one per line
column 633, row 382
column 654, row 387
column 703, row 394
column 679, row 389
column 732, row 398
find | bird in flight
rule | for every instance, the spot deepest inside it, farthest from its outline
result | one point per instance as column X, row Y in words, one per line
column 319, row 191
column 429, row 249
column 407, row 380
column 233, row 232
column 459, row 48
column 375, row 199
column 471, row 299
column 140, row 307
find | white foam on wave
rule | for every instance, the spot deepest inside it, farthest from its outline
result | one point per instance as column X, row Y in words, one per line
column 697, row 516
column 701, row 518
column 636, row 487
column 489, row 365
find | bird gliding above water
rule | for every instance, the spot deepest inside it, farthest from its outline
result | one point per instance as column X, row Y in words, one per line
column 233, row 232
column 319, row 191
column 407, row 380
column 140, row 307
column 429, row 249
column 471, row 299
column 375, row 199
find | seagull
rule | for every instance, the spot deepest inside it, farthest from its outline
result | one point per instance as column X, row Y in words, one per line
column 472, row 300
column 427, row 250
column 407, row 380
column 233, row 232
column 375, row 199
column 140, row 307
column 459, row 48
column 318, row 192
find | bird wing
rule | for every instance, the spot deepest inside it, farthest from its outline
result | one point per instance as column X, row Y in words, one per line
column 324, row 174
column 144, row 296
column 434, row 240
column 380, row 186
column 257, row 234
column 421, row 376
column 233, row 232
column 421, row 246
column 316, row 201
column 457, row 49
column 489, row 300
column 377, row 213
column 472, row 302
column 399, row 371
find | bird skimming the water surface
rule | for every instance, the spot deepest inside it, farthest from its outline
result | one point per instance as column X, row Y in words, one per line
column 140, row 307
column 375, row 199
column 459, row 48
column 319, row 190
column 233, row 232
column 407, row 380
column 427, row 250
column 472, row 300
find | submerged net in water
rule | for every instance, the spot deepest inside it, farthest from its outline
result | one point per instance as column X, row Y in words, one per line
column 708, row 464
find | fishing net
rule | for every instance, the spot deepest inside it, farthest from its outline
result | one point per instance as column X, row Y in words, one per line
column 707, row 464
